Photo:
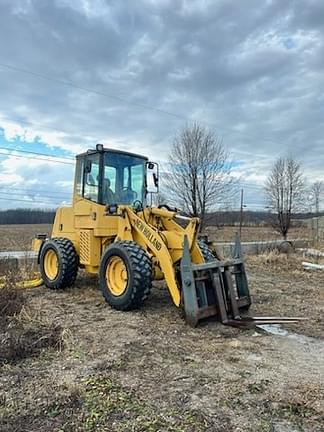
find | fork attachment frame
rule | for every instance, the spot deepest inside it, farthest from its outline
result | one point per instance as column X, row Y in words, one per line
column 219, row 289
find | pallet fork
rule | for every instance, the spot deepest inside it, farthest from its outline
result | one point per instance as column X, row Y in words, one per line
column 220, row 289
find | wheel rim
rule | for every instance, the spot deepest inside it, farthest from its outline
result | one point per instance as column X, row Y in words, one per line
column 116, row 276
column 51, row 264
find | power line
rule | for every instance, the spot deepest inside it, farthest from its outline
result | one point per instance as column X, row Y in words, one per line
column 56, row 200
column 28, row 201
column 39, row 159
column 251, row 186
column 49, row 197
column 34, row 191
column 126, row 101
column 57, row 159
column 246, row 185
column 54, row 160
column 85, row 89
column 37, row 153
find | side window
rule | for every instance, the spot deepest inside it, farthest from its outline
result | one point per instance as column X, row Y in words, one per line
column 91, row 178
column 126, row 177
column 110, row 174
column 109, row 185
column 137, row 178
column 79, row 176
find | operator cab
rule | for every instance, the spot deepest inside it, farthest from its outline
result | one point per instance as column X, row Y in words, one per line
column 108, row 176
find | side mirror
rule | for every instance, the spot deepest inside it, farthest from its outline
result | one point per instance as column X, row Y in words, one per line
column 156, row 180
column 150, row 165
column 152, row 177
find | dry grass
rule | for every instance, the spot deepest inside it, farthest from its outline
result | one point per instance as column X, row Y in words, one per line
column 280, row 286
column 11, row 299
column 278, row 263
column 11, row 303
column 19, row 237
column 28, row 338
column 302, row 400
column 225, row 234
column 25, row 331
column 273, row 259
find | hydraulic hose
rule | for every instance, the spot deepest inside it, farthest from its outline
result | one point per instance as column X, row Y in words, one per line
column 34, row 283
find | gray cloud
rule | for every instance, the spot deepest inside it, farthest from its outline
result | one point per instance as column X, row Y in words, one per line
column 251, row 70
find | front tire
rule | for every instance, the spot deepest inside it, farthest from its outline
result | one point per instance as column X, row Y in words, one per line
column 58, row 263
column 206, row 252
column 125, row 275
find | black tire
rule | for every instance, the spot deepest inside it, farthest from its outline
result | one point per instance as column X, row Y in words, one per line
column 139, row 275
column 67, row 260
column 206, row 252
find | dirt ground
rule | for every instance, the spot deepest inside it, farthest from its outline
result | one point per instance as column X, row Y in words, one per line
column 147, row 370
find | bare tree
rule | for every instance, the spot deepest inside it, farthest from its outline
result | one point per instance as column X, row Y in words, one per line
column 284, row 189
column 199, row 171
column 316, row 192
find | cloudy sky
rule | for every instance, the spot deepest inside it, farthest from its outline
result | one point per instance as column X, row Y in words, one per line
column 130, row 74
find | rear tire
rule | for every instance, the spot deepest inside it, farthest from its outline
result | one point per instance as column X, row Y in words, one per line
column 58, row 262
column 125, row 275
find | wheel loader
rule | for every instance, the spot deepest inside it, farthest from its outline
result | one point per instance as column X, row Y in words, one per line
column 111, row 231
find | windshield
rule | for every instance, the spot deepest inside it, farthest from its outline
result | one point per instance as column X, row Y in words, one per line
column 123, row 181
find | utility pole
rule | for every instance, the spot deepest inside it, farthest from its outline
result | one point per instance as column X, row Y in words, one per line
column 241, row 212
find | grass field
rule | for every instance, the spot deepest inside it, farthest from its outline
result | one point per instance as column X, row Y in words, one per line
column 74, row 364
column 224, row 234
column 18, row 237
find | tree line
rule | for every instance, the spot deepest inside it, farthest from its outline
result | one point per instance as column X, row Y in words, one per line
column 26, row 216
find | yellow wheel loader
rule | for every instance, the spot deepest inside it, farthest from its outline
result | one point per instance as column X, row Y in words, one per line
column 110, row 231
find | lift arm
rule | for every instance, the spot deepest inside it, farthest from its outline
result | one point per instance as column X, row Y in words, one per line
column 154, row 242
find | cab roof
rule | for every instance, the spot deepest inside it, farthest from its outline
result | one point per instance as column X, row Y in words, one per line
column 107, row 150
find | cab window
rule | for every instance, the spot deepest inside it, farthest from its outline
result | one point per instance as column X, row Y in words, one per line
column 91, row 177
column 137, row 179
column 124, row 174
column 109, row 185
column 79, row 176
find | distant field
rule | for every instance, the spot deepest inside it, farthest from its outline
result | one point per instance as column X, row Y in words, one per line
column 253, row 233
column 19, row 237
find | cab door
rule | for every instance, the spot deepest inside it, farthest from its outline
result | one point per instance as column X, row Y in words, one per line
column 87, row 190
